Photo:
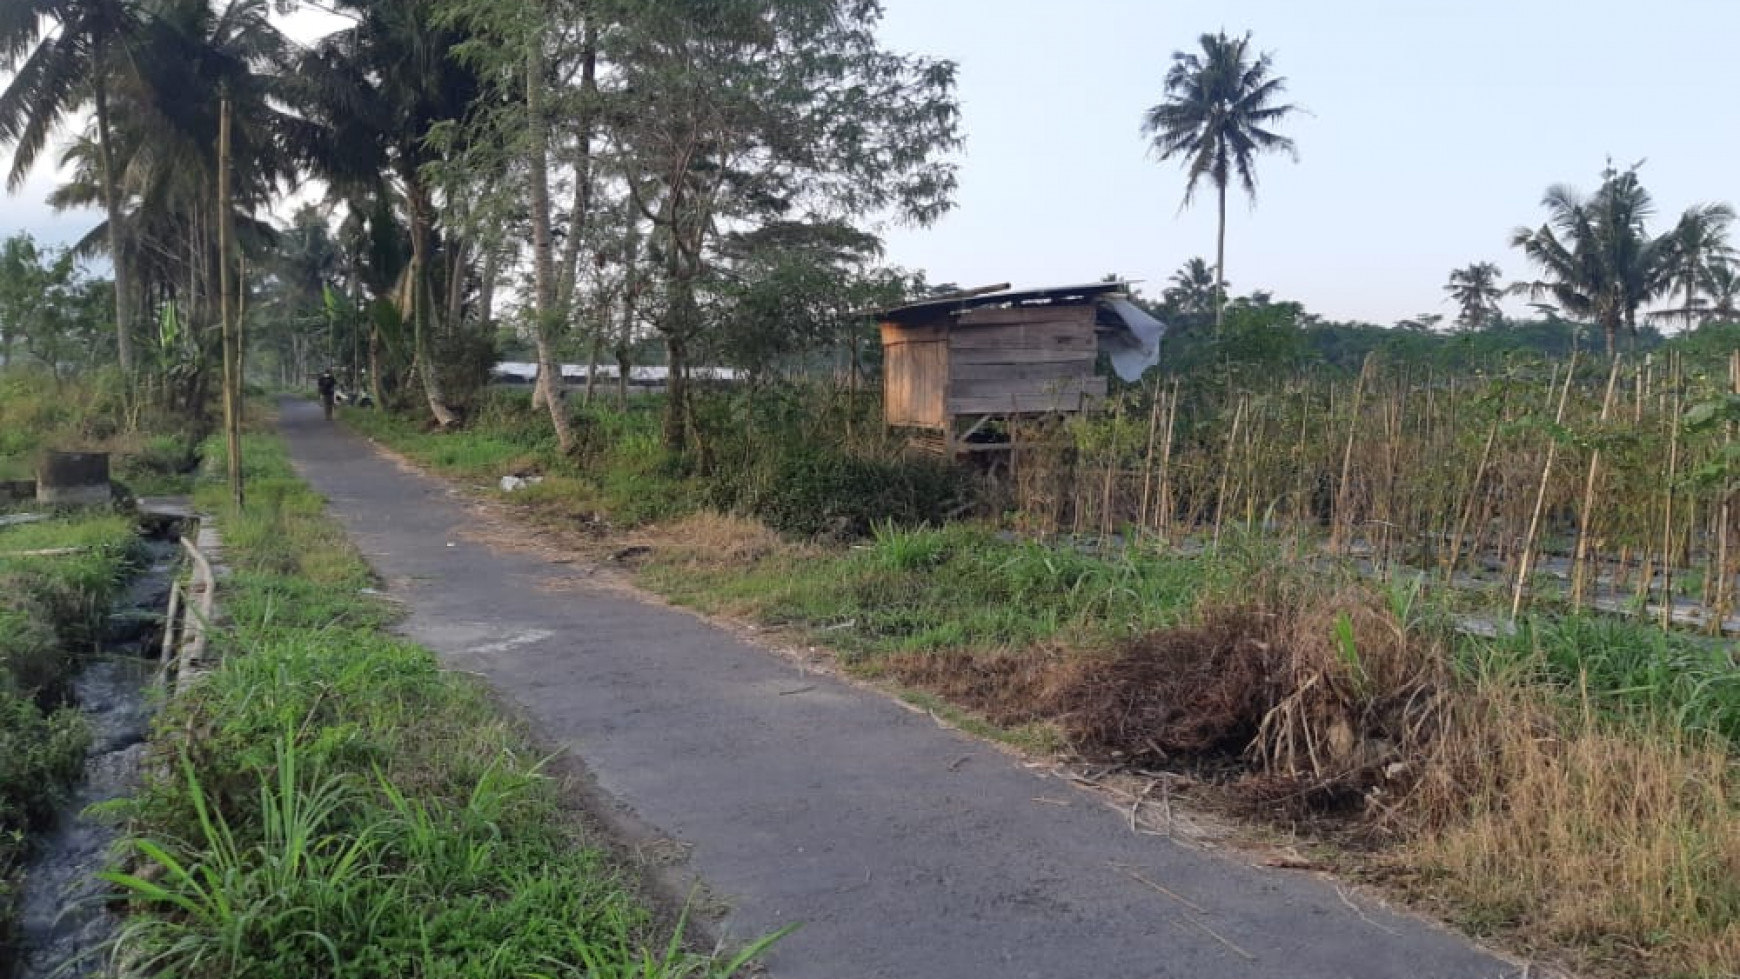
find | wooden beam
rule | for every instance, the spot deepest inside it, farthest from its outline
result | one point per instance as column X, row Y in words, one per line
column 1044, row 370
column 1037, row 336
column 1079, row 313
column 1025, row 404
column 1010, row 387
column 1019, row 355
column 894, row 333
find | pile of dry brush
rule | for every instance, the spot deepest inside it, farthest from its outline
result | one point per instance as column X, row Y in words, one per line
column 1304, row 703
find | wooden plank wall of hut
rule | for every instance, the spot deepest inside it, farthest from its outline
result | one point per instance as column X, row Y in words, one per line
column 915, row 371
column 1036, row 359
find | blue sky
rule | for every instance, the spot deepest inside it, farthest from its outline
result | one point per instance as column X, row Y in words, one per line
column 1433, row 129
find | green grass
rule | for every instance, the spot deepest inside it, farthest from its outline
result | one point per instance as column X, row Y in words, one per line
column 52, row 610
column 347, row 808
column 1631, row 669
column 152, row 451
column 962, row 587
column 794, row 471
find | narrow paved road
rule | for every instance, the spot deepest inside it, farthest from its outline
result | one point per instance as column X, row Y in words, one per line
column 907, row 851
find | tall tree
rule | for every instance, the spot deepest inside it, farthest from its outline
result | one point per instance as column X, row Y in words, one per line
column 522, row 52
column 1476, row 292
column 376, row 92
column 759, row 111
column 1219, row 112
column 65, row 55
column 1598, row 259
column 1698, row 242
column 1191, row 294
column 1722, row 284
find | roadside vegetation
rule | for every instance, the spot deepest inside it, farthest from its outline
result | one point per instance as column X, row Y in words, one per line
column 329, row 801
column 1562, row 781
column 1454, row 593
column 58, row 578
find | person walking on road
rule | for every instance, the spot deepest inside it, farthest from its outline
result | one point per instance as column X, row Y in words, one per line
column 328, row 391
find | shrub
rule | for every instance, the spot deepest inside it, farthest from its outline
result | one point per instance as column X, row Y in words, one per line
column 811, row 490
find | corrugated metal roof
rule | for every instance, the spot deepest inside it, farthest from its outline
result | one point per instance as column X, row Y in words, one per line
column 1061, row 295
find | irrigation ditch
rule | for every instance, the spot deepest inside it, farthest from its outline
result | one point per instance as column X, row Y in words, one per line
column 153, row 639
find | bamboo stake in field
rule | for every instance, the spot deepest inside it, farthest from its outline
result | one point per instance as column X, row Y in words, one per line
column 1473, row 497
column 1721, row 571
column 227, row 308
column 1528, row 547
column 1586, row 515
column 1163, row 521
column 1148, row 455
column 1226, row 471
column 1667, row 522
column 1338, row 520
column 1106, row 521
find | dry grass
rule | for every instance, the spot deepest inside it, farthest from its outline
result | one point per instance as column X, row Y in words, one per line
column 715, row 540
column 1621, row 843
column 1319, row 698
column 1564, row 833
column 1559, row 830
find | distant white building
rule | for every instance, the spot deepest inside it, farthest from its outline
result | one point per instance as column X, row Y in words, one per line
column 650, row 376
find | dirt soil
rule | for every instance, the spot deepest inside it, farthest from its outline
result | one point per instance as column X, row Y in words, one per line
column 903, row 848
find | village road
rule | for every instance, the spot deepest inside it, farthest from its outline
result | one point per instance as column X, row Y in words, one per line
column 904, row 849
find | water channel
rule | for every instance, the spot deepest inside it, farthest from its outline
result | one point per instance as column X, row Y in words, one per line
column 65, row 922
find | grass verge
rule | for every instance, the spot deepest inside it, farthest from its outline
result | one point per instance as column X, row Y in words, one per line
column 57, row 581
column 330, row 802
column 1570, row 791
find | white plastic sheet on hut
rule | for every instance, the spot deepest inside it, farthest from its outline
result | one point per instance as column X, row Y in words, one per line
column 1136, row 347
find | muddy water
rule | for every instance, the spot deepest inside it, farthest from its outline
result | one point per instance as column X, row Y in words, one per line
column 65, row 923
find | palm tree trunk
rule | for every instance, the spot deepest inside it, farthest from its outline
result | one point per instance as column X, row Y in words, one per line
column 677, row 326
column 227, row 310
column 543, row 258
column 676, row 430
column 418, row 205
column 1220, row 263
column 630, row 291
column 581, row 215
column 112, row 204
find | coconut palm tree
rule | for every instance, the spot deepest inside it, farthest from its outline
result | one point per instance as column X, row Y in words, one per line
column 1721, row 282
column 1598, row 259
column 1191, row 295
column 1219, row 112
column 1698, row 242
column 186, row 55
column 1476, row 292
column 376, row 92
column 65, row 56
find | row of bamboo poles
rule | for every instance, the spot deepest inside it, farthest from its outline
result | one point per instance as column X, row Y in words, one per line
column 1577, row 479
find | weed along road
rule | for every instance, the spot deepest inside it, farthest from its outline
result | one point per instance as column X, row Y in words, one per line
column 903, row 849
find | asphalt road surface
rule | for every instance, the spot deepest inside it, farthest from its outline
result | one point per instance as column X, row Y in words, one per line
column 905, row 850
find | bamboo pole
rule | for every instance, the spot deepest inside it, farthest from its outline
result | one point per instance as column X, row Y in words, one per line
column 1586, row 515
column 1106, row 522
column 226, row 310
column 1722, row 570
column 1148, row 455
column 1473, row 497
column 1667, row 523
column 1338, row 519
column 1226, row 471
column 1524, row 559
column 1165, row 511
